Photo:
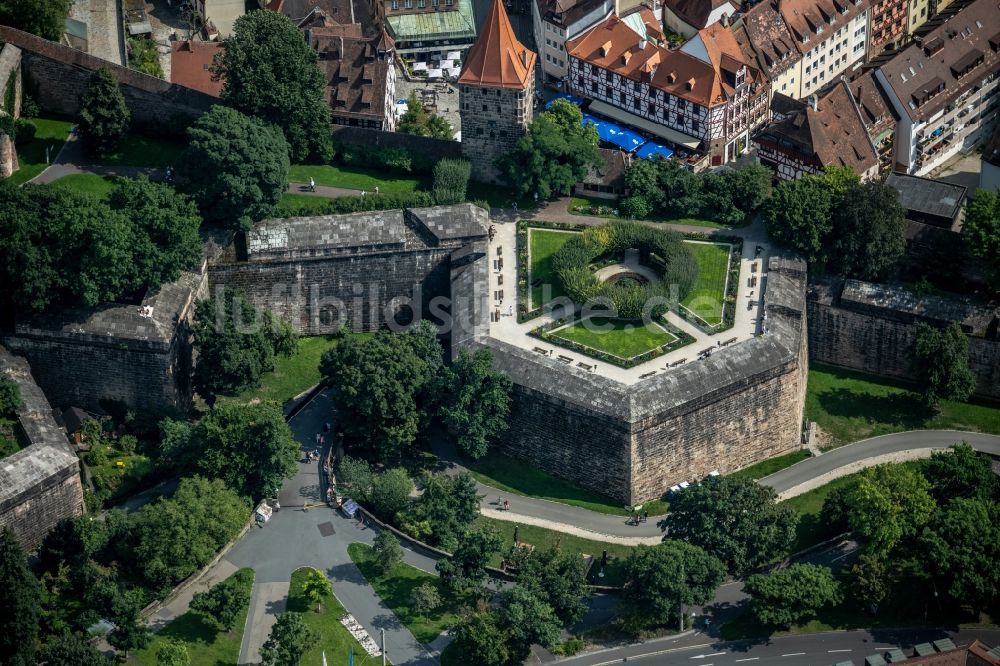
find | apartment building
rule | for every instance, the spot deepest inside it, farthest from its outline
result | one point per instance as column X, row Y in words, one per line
column 687, row 17
column 704, row 97
column 427, row 29
column 360, row 76
column 556, row 21
column 762, row 31
column 888, row 25
column 877, row 117
column 943, row 87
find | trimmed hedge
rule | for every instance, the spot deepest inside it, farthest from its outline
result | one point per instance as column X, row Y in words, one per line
column 663, row 250
column 451, row 180
column 358, row 204
column 383, row 157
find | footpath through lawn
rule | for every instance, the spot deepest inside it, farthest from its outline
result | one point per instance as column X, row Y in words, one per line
column 334, row 638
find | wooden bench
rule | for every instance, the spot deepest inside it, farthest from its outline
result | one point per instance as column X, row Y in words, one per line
column 729, row 342
column 565, row 359
column 647, row 374
column 676, row 363
column 585, row 366
column 543, row 352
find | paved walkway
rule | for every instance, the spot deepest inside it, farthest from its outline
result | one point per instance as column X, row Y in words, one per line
column 324, row 191
column 72, row 159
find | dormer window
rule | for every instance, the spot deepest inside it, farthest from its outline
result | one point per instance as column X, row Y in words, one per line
column 690, row 84
column 606, row 48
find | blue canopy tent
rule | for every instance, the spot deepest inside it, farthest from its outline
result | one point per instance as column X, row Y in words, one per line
column 572, row 99
column 607, row 131
column 652, row 149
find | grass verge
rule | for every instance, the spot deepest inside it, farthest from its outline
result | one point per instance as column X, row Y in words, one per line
column 88, row 183
column 771, row 465
column 514, row 476
column 291, row 376
column 144, row 151
column 292, row 203
column 543, row 243
column 543, row 539
column 50, row 133
column 709, row 292
column 850, row 406
column 623, row 339
column 206, row 645
column 334, row 638
column 395, row 589
column 357, row 178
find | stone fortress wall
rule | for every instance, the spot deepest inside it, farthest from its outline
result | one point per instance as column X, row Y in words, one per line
column 871, row 328
column 40, row 484
column 57, row 76
column 740, row 405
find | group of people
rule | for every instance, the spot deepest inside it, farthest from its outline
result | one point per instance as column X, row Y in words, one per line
column 503, row 504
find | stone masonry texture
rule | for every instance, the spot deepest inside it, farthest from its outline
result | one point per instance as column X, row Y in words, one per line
column 40, row 484
column 493, row 119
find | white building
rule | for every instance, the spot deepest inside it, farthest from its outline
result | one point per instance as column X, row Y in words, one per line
column 554, row 22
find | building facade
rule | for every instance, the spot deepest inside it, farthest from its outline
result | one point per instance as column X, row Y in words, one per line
column 687, row 17
column 704, row 97
column 889, row 22
column 556, row 21
column 943, row 88
column 496, row 93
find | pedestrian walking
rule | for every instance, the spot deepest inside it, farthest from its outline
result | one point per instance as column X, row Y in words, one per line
column 376, row 189
column 277, row 505
column 312, row 184
column 506, row 505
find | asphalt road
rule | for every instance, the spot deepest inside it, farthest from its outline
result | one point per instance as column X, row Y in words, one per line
column 824, row 649
column 849, row 455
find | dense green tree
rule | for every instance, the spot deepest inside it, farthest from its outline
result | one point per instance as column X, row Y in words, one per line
column 235, row 167
column 479, row 640
column 172, row 653
column 658, row 579
column 388, row 552
column 143, row 56
column 176, row 535
column 792, row 595
column 176, row 443
column 868, row 222
column 798, row 216
column 557, row 577
column 390, row 492
column 317, row 587
column 836, row 511
column 451, row 181
column 527, row 619
column 72, row 542
column 290, row 638
column 476, row 403
column 237, row 343
column 45, row 18
column 354, row 477
column 465, row 570
column 377, row 381
column 20, row 601
column 734, row 519
column 104, row 116
column 166, row 225
column 960, row 471
column 249, row 446
column 224, row 602
column 446, row 508
column 69, row 650
column 131, row 631
column 10, row 396
column 418, row 120
column 269, row 71
column 982, row 228
column 554, row 155
column 872, row 580
column 889, row 503
column 731, row 195
column 941, row 361
column 425, row 598
column 961, row 545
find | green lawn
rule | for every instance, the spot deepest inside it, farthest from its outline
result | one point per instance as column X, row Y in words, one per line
column 542, row 244
column 850, row 406
column 357, row 178
column 623, row 339
column 51, row 134
column 514, row 476
column 291, row 376
column 396, row 588
column 205, row 644
column 88, row 183
column 334, row 638
column 709, row 293
column 144, row 151
column 771, row 465
column 294, row 203
column 543, row 539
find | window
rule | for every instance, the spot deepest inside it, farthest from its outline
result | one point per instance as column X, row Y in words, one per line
column 562, row 64
column 621, row 98
column 484, row 107
column 679, row 119
column 608, row 93
column 593, row 87
column 635, row 103
column 395, row 4
column 420, row 4
column 663, row 112
column 651, row 108
column 408, row 3
column 696, row 126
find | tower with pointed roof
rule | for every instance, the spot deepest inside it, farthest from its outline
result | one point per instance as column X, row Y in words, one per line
column 496, row 91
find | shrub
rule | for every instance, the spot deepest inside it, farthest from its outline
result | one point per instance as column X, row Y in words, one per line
column 24, row 130
column 127, row 444
column 142, row 57
column 342, row 205
column 387, row 157
column 29, row 107
column 425, row 599
column 388, row 552
column 10, row 396
column 636, row 207
column 391, row 492
column 451, row 179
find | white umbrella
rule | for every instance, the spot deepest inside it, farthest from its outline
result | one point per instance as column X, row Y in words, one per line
column 434, row 74
column 454, row 55
column 420, row 67
column 447, row 64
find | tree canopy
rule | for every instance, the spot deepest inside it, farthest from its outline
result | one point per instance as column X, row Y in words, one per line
column 941, row 361
column 659, row 578
column 236, row 343
column 69, row 650
column 104, row 117
column 558, row 578
column 445, row 509
column 554, row 155
column 45, row 18
column 235, row 166
column 527, row 619
column 19, row 598
column 290, row 638
column 734, row 519
column 960, row 471
column 269, row 71
column 465, row 570
column 476, row 402
column 249, row 446
column 889, row 503
column 418, row 120
column 480, row 640
column 792, row 595
column 982, row 228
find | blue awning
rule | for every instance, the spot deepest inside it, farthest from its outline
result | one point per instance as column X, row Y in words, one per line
column 609, row 132
column 653, row 149
column 572, row 99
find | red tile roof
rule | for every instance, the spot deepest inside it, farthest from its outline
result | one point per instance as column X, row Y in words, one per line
column 696, row 12
column 190, row 64
column 498, row 58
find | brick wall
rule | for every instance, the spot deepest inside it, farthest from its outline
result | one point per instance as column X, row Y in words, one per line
column 57, row 76
column 31, row 515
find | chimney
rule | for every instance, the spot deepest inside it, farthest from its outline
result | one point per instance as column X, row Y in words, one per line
column 814, row 102
column 524, row 57
column 642, row 44
column 725, row 20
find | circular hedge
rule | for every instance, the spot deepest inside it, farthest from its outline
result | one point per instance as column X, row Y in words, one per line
column 662, row 250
